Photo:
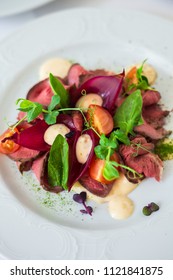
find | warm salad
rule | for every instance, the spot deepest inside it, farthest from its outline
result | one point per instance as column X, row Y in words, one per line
column 91, row 131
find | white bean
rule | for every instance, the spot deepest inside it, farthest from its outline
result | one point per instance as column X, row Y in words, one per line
column 88, row 99
column 83, row 148
column 53, row 130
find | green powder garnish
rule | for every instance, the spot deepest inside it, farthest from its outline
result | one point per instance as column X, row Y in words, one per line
column 164, row 149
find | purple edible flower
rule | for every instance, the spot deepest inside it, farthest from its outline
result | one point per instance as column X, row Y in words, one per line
column 81, row 198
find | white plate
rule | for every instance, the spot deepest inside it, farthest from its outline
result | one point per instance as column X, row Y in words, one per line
column 8, row 7
column 95, row 38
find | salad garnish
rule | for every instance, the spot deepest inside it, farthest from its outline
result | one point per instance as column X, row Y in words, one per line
column 81, row 198
column 91, row 127
column 150, row 208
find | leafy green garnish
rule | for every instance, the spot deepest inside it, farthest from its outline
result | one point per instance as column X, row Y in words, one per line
column 143, row 83
column 33, row 109
column 128, row 115
column 110, row 172
column 58, row 165
column 59, row 90
column 106, row 148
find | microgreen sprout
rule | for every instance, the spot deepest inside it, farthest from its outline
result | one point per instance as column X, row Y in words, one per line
column 105, row 150
column 81, row 198
column 148, row 210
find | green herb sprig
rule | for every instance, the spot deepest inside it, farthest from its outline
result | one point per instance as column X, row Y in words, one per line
column 143, row 83
column 106, row 148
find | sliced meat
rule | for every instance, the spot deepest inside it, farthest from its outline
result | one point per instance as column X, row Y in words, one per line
column 94, row 186
column 139, row 146
column 41, row 93
column 145, row 162
column 150, row 97
column 75, row 71
column 24, row 154
column 148, row 130
column 39, row 168
column 155, row 115
column 24, row 166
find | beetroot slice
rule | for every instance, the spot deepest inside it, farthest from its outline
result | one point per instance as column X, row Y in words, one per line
column 24, row 154
column 76, row 169
column 32, row 137
column 108, row 87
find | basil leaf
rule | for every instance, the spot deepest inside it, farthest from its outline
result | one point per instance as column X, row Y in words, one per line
column 128, row 115
column 110, row 172
column 58, row 89
column 54, row 102
column 58, row 165
column 50, row 117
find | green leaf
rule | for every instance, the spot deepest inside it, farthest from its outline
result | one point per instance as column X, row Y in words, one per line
column 54, row 102
column 25, row 105
column 58, row 165
column 50, row 117
column 58, row 89
column 101, row 152
column 110, row 172
column 104, row 141
column 128, row 115
column 34, row 111
column 120, row 136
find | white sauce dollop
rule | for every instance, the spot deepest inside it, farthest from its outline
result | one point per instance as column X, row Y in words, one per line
column 121, row 207
column 57, row 66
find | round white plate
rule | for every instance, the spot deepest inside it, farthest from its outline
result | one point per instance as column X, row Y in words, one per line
column 8, row 7
column 39, row 225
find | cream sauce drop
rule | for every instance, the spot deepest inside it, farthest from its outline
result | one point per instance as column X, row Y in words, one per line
column 120, row 190
column 121, row 207
column 57, row 66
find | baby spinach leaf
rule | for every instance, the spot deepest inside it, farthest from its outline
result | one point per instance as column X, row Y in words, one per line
column 58, row 165
column 58, row 89
column 128, row 115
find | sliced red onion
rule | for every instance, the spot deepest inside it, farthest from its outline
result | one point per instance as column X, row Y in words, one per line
column 108, row 87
